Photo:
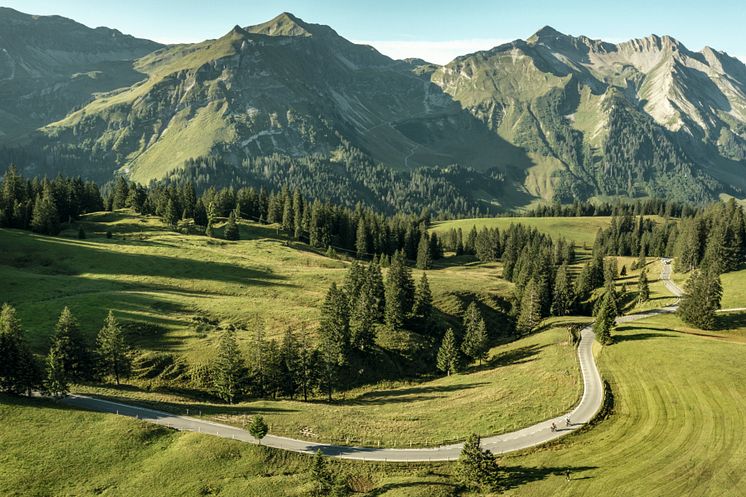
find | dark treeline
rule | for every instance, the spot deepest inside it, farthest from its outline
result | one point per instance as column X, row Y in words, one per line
column 349, row 179
column 646, row 207
column 360, row 230
column 42, row 204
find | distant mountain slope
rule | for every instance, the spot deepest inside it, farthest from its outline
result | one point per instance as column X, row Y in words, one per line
column 645, row 117
column 49, row 65
column 554, row 117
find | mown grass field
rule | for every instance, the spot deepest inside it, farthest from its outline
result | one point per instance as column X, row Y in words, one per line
column 523, row 382
column 581, row 230
column 677, row 427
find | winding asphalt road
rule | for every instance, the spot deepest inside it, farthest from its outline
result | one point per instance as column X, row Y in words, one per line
column 531, row 436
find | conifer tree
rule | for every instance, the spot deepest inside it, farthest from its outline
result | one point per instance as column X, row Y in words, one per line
column 18, row 369
column 334, row 340
column 121, row 193
column 290, row 356
column 71, row 347
column 374, row 280
column 113, row 352
column 564, row 295
column 448, row 359
column 477, row 468
column 476, row 345
column 321, row 476
column 424, row 256
column 362, row 319
column 423, row 300
column 361, row 239
column 605, row 318
column 56, row 383
column 171, row 215
column 399, row 292
column 228, row 369
column 529, row 316
column 643, row 288
column 701, row 299
column 258, row 428
column 45, row 218
column 231, row 228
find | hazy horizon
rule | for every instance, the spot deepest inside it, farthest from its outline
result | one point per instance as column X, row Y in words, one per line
column 434, row 31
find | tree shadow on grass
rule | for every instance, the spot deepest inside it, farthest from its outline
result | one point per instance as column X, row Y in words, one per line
column 449, row 488
column 637, row 335
column 515, row 476
column 191, row 408
column 412, row 394
column 730, row 321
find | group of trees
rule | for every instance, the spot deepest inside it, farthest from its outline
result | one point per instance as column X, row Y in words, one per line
column 471, row 343
column 350, row 316
column 42, row 205
column 273, row 368
column 70, row 358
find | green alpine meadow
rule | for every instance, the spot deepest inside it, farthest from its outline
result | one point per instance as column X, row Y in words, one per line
column 372, row 250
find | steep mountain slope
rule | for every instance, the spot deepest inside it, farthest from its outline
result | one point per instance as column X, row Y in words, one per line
column 285, row 87
column 49, row 65
column 645, row 117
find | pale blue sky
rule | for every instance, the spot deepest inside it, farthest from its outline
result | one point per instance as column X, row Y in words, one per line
column 435, row 30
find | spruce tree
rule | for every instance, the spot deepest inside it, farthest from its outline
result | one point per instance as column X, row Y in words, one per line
column 448, row 359
column 529, row 316
column 423, row 300
column 605, row 318
column 362, row 319
column 18, row 368
column 361, row 239
column 121, row 193
column 231, row 231
column 170, row 214
column 228, row 369
column 321, row 476
column 702, row 297
column 56, row 382
column 71, row 347
column 643, row 288
column 45, row 218
column 424, row 255
column 476, row 343
column 399, row 292
column 563, row 293
column 258, row 428
column 113, row 352
column 290, row 356
column 374, row 281
column 477, row 468
column 334, row 339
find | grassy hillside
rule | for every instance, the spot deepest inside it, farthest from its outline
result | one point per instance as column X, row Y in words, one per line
column 110, row 455
column 523, row 382
column 166, row 281
column 677, row 427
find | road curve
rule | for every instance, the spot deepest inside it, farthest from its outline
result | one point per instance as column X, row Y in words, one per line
column 530, row 436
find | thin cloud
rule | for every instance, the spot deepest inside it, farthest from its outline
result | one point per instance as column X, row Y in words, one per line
column 439, row 52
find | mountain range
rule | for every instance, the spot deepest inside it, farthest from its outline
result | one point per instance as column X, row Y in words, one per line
column 550, row 118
